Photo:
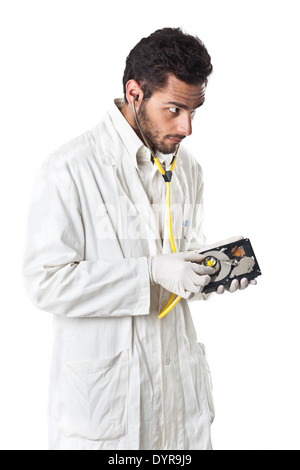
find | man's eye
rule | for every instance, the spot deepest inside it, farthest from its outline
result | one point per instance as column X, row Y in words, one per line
column 174, row 110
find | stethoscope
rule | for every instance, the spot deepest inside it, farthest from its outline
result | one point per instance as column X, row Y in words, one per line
column 167, row 176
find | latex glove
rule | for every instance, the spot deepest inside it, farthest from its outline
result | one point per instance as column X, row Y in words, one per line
column 236, row 285
column 179, row 273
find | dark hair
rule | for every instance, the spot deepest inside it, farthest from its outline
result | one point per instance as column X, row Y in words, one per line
column 167, row 51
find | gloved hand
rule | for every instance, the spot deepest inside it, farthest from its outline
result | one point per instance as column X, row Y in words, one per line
column 235, row 285
column 179, row 273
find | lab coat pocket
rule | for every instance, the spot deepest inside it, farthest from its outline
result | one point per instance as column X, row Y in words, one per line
column 206, row 376
column 94, row 398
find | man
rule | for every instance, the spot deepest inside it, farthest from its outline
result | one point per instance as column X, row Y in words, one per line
column 99, row 258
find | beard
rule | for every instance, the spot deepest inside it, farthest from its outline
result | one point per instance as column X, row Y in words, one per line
column 157, row 141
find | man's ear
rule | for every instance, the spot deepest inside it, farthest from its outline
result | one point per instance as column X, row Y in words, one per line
column 133, row 91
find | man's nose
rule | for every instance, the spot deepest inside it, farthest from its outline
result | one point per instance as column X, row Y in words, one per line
column 184, row 125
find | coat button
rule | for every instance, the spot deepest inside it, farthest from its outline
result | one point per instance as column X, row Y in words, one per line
column 167, row 361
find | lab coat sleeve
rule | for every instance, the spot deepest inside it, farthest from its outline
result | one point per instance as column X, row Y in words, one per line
column 57, row 277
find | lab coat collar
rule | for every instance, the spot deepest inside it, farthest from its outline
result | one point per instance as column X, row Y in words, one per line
column 128, row 136
column 135, row 147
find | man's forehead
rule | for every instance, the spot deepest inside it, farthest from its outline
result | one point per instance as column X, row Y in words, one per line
column 177, row 92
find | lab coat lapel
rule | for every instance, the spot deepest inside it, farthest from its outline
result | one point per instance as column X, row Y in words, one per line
column 112, row 151
column 130, row 186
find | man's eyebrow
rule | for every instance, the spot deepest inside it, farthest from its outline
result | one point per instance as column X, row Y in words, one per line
column 183, row 106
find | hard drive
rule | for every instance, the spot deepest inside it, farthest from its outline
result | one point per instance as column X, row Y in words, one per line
column 232, row 261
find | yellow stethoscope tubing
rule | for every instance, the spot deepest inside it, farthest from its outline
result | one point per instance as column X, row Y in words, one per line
column 173, row 299
column 168, row 200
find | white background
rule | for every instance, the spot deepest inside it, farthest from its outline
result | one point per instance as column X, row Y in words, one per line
column 62, row 63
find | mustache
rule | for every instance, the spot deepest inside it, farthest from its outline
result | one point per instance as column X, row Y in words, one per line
column 176, row 136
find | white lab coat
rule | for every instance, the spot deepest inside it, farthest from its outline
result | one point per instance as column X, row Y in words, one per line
column 120, row 377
